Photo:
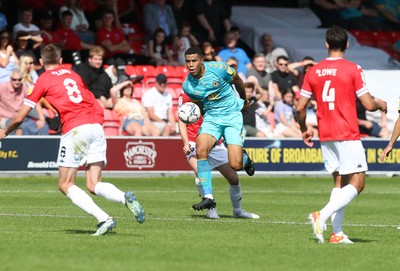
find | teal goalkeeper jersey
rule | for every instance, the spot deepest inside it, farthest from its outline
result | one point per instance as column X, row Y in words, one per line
column 214, row 90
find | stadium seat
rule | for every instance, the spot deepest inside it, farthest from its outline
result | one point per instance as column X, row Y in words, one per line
column 130, row 70
column 381, row 39
column 363, row 37
column 182, row 71
column 173, row 94
column 135, row 37
column 111, row 124
column 178, row 90
column 133, row 31
column 171, row 73
column 393, row 36
column 138, row 92
column 149, row 72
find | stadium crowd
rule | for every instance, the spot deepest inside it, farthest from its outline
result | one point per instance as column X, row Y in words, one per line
column 130, row 55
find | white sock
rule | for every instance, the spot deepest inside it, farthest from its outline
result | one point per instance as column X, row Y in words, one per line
column 235, row 193
column 337, row 218
column 209, row 196
column 81, row 199
column 343, row 198
column 109, row 192
column 199, row 187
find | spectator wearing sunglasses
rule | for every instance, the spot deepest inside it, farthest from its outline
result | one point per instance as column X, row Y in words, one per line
column 283, row 77
column 12, row 95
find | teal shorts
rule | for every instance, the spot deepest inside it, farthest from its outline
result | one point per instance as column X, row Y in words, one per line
column 230, row 127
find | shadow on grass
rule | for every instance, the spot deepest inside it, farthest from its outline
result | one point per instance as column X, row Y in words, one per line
column 85, row 232
column 203, row 216
column 359, row 240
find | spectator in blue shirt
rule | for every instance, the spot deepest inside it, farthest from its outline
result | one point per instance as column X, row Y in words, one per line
column 3, row 20
column 230, row 50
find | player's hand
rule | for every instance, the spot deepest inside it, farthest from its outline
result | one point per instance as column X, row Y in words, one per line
column 2, row 133
column 385, row 153
column 307, row 136
column 246, row 105
column 382, row 105
column 187, row 149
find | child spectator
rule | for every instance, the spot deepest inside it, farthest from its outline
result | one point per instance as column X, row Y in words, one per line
column 184, row 40
column 284, row 116
column 157, row 49
column 79, row 22
column 265, row 116
column 249, row 117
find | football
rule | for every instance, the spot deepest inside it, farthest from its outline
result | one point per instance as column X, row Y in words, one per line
column 189, row 113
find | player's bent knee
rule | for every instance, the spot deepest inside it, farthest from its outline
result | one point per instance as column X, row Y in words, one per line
column 63, row 187
column 236, row 165
column 91, row 188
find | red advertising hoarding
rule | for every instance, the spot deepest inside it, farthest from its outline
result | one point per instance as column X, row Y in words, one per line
column 146, row 154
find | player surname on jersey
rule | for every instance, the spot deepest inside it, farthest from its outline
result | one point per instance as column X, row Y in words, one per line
column 326, row 72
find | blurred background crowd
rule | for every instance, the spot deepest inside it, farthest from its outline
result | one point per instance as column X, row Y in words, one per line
column 130, row 54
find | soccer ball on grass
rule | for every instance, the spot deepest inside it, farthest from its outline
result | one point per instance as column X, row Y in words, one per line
column 189, row 113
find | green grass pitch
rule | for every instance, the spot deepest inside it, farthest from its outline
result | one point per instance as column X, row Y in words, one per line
column 40, row 229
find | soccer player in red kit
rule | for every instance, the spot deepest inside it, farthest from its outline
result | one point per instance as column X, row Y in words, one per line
column 83, row 141
column 335, row 84
column 218, row 159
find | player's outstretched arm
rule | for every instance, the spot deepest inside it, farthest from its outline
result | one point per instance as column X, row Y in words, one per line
column 307, row 134
column 184, row 136
column 16, row 121
column 395, row 135
column 237, row 81
column 373, row 104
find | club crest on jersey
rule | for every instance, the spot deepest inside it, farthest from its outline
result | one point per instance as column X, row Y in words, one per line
column 230, row 70
column 30, row 90
column 212, row 96
column 215, row 84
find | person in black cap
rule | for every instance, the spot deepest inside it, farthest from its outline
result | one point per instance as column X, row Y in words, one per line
column 158, row 104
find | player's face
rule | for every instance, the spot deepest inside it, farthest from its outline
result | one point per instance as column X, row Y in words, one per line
column 194, row 63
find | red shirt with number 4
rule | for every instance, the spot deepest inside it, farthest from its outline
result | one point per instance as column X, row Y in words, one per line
column 68, row 94
column 335, row 84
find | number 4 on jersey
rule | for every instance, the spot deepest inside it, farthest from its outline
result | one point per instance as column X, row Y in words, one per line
column 328, row 95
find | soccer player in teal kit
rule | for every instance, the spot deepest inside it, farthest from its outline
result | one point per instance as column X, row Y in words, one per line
column 210, row 85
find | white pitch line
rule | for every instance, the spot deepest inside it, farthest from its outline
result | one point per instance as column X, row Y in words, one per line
column 395, row 192
column 222, row 220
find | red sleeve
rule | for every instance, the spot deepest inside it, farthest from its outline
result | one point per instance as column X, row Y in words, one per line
column 35, row 93
column 183, row 98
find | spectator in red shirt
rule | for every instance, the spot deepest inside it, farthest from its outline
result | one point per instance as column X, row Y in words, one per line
column 47, row 27
column 70, row 41
column 114, row 42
